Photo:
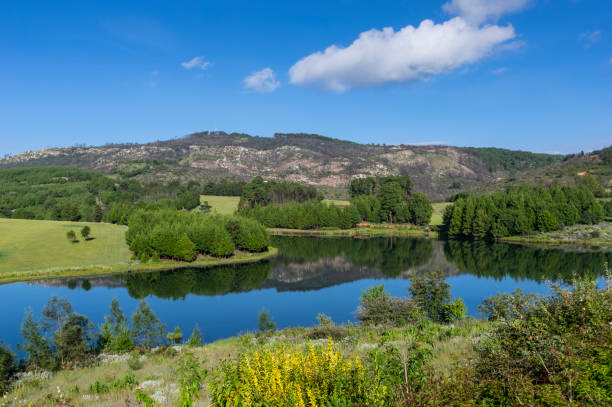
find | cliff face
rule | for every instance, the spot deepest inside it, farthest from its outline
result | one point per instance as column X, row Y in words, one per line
column 310, row 159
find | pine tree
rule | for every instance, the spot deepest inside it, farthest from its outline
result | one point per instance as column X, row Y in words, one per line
column 196, row 337
column 35, row 345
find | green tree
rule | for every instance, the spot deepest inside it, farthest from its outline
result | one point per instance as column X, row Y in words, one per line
column 431, row 293
column 148, row 329
column 35, row 345
column 85, row 231
column 546, row 221
column 73, row 341
column 391, row 197
column 175, row 336
column 196, row 337
column 116, row 336
column 71, row 236
column 7, row 367
column 266, row 322
column 420, row 208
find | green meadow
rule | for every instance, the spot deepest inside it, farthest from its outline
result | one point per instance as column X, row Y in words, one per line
column 223, row 205
column 438, row 211
column 29, row 246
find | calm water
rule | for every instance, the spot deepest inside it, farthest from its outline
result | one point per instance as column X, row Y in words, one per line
column 309, row 276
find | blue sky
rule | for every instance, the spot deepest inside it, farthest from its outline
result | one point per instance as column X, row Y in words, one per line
column 522, row 74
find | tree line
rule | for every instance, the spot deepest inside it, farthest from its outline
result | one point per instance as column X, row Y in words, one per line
column 520, row 210
column 389, row 199
column 72, row 194
column 258, row 192
column 304, row 216
column 182, row 235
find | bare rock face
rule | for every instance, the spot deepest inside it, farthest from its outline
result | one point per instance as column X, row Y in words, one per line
column 309, row 159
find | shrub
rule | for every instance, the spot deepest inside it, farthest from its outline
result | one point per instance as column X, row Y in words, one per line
column 196, row 337
column 378, row 307
column 85, row 232
column 134, row 362
column 176, row 336
column 292, row 377
column 7, row 367
column 192, row 377
column 556, row 348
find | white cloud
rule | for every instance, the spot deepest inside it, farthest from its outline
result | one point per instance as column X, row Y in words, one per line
column 412, row 53
column 479, row 11
column 197, row 62
column 263, row 81
column 590, row 37
column 499, row 70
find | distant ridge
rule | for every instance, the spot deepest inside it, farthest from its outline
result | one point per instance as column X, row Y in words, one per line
column 312, row 159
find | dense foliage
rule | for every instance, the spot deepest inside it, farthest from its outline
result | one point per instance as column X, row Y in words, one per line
column 499, row 158
column 307, row 215
column 389, row 199
column 260, row 193
column 63, row 193
column 183, row 235
column 521, row 210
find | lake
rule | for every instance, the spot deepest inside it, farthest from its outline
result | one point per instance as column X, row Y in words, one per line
column 308, row 277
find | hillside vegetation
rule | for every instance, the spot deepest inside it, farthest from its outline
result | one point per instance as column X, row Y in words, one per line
column 327, row 163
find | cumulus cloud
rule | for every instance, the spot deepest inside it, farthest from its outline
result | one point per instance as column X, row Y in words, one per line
column 479, row 11
column 412, row 53
column 263, row 81
column 196, row 62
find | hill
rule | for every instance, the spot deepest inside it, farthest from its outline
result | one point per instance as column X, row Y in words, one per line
column 327, row 163
column 592, row 169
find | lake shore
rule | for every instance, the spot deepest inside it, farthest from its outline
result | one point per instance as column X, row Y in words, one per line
column 372, row 231
column 102, row 270
column 578, row 235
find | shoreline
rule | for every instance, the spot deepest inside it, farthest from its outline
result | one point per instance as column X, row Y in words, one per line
column 543, row 241
column 97, row 271
column 355, row 232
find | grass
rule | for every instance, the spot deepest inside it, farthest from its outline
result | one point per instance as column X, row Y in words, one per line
column 577, row 235
column 39, row 245
column 223, row 205
column 34, row 249
column 452, row 345
column 336, row 202
column 438, row 211
column 370, row 231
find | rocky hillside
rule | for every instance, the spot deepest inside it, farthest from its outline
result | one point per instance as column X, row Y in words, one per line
column 327, row 163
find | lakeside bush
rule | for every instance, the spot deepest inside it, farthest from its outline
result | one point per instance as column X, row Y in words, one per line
column 287, row 377
column 521, row 210
column 183, row 235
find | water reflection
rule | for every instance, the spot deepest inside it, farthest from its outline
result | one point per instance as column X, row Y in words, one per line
column 306, row 264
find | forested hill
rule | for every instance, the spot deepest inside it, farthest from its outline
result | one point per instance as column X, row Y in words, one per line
column 327, row 163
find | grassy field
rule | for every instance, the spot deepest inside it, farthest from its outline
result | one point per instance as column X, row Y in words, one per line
column 223, row 205
column 438, row 211
column 38, row 245
column 32, row 249
column 336, row 202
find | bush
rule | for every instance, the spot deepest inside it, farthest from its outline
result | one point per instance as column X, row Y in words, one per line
column 248, row 234
column 557, row 348
column 378, row 307
column 292, row 377
column 134, row 362
column 7, row 367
